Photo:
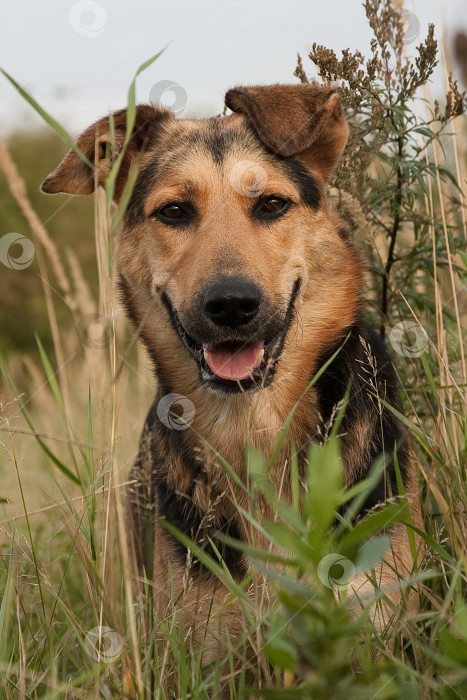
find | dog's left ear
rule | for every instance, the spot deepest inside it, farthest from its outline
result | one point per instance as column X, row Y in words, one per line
column 102, row 143
column 303, row 120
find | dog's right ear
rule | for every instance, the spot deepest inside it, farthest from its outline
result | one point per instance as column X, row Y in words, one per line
column 302, row 120
column 101, row 143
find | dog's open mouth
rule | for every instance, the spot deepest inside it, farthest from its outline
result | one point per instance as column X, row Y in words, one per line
column 236, row 365
column 234, row 361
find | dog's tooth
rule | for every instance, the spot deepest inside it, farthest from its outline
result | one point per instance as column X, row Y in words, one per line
column 261, row 355
column 205, row 353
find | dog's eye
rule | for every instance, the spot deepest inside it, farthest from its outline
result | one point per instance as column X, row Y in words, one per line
column 272, row 207
column 171, row 211
column 175, row 213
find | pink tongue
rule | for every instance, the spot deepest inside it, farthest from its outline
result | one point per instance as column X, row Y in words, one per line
column 229, row 361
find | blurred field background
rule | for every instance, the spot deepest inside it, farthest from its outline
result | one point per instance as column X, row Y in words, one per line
column 73, row 287
column 76, row 386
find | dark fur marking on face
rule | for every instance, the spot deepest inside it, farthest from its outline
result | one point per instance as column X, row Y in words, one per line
column 216, row 139
column 134, row 213
column 308, row 186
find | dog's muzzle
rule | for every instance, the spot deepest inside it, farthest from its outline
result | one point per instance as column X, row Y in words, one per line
column 235, row 335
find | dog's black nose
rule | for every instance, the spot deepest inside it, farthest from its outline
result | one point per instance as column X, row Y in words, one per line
column 232, row 302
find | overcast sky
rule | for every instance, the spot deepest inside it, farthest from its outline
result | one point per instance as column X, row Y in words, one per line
column 77, row 58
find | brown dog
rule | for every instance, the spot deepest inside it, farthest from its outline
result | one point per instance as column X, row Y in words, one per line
column 242, row 283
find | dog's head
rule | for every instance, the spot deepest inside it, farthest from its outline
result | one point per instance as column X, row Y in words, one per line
column 229, row 257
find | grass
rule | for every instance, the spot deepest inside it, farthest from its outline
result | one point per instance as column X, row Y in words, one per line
column 72, row 623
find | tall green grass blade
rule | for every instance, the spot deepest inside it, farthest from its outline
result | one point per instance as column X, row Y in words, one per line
column 59, row 130
column 7, row 611
column 130, row 122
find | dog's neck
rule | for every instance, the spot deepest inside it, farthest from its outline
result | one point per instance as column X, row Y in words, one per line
column 226, row 425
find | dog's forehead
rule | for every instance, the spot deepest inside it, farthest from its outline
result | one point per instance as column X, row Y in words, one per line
column 188, row 154
column 214, row 138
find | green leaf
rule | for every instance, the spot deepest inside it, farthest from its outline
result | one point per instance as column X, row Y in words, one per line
column 50, row 374
column 425, row 132
column 289, row 540
column 282, row 654
column 454, row 648
column 257, row 472
column 324, row 486
column 460, row 617
column 372, row 552
column 388, row 516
